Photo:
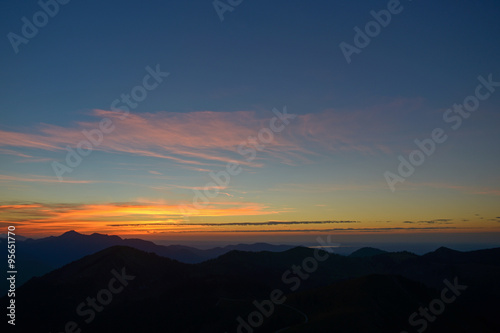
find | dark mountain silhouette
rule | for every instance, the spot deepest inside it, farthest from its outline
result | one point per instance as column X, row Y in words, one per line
column 367, row 252
column 19, row 238
column 40, row 256
column 30, row 265
column 341, row 294
column 256, row 247
column 72, row 245
column 77, row 245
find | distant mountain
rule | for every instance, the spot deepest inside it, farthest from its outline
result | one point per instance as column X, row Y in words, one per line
column 40, row 256
column 132, row 289
column 256, row 247
column 27, row 267
column 366, row 252
column 18, row 238
column 77, row 245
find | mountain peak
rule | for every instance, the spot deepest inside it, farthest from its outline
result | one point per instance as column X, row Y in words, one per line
column 444, row 249
column 366, row 252
column 71, row 233
column 443, row 253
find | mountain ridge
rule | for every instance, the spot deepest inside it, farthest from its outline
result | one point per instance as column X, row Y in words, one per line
column 42, row 255
column 209, row 296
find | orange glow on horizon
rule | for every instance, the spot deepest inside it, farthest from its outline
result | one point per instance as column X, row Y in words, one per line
column 157, row 218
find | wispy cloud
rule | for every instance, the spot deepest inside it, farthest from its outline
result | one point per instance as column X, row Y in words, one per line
column 203, row 138
column 42, row 179
column 436, row 221
column 327, row 187
column 337, row 230
column 240, row 224
column 186, row 187
column 29, row 140
column 478, row 190
column 36, row 160
column 46, row 217
column 13, row 152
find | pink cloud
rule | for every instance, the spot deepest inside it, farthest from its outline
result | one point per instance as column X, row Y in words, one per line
column 369, row 130
column 206, row 138
column 13, row 152
column 42, row 179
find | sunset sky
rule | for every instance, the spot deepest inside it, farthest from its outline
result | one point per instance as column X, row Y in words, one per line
column 170, row 97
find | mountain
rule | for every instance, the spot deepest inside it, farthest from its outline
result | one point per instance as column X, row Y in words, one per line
column 361, row 304
column 127, row 290
column 28, row 266
column 40, row 256
column 18, row 238
column 366, row 252
column 256, row 247
column 77, row 245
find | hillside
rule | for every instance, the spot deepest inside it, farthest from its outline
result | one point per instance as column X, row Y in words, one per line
column 344, row 294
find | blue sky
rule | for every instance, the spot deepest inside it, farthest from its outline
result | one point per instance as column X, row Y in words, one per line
column 225, row 78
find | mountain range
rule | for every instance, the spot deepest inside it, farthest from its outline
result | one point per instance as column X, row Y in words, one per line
column 296, row 290
column 40, row 256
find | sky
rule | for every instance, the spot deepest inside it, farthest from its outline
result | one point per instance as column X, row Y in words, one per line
column 251, row 120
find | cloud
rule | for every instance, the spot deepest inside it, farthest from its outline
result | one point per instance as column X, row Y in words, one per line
column 353, row 230
column 437, row 221
column 196, row 138
column 47, row 217
column 327, row 187
column 185, row 187
column 29, row 140
column 478, row 190
column 13, row 152
column 204, row 138
column 36, row 160
column 42, row 179
column 239, row 224
column 146, row 216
